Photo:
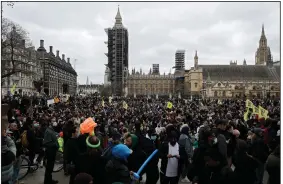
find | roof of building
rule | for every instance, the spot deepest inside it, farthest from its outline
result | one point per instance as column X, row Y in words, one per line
column 148, row 76
column 56, row 60
column 89, row 86
column 238, row 72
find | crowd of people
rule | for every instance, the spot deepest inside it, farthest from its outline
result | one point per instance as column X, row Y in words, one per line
column 199, row 140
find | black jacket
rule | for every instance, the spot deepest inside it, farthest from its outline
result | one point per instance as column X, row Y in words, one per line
column 198, row 162
column 273, row 169
column 259, row 150
column 245, row 168
column 72, row 152
column 136, row 159
column 92, row 164
column 117, row 171
column 219, row 175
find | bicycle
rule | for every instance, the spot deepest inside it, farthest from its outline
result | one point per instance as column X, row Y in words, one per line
column 26, row 167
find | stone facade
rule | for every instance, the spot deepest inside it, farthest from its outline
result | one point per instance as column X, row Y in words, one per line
column 59, row 75
column 230, row 81
column 141, row 84
column 31, row 70
column 233, row 80
column 263, row 53
column 88, row 89
column 232, row 89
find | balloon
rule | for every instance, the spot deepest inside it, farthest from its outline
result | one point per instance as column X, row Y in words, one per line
column 88, row 126
column 137, row 174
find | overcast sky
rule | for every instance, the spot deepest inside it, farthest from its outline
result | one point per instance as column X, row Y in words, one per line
column 220, row 32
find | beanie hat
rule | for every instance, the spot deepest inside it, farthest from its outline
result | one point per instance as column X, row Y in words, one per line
column 121, row 151
column 83, row 178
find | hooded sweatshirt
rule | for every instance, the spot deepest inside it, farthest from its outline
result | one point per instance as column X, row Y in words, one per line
column 8, row 153
column 138, row 156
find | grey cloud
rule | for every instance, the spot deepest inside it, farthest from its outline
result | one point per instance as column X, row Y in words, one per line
column 219, row 31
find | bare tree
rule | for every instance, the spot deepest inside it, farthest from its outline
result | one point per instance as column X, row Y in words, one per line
column 14, row 49
column 105, row 91
column 38, row 84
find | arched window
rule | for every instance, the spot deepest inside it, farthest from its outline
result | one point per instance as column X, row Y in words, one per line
column 215, row 93
column 272, row 88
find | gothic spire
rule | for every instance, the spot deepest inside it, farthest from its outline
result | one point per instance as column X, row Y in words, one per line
column 87, row 81
column 196, row 55
column 118, row 18
column 262, row 30
column 263, row 37
column 196, row 60
column 208, row 78
column 245, row 62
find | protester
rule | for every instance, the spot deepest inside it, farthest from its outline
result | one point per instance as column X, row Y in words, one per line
column 186, row 149
column 223, row 136
column 259, row 151
column 170, row 160
column 51, row 146
column 245, row 165
column 8, row 154
column 273, row 166
column 116, row 168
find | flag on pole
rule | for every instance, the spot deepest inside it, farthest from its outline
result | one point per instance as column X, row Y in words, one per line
column 246, row 117
column 255, row 110
column 169, row 105
column 125, row 105
column 13, row 89
column 249, row 104
column 263, row 112
column 102, row 103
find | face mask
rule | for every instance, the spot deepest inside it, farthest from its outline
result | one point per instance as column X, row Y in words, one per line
column 153, row 137
column 173, row 142
column 78, row 133
column 54, row 124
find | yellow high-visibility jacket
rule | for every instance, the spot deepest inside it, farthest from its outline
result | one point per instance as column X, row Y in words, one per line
column 61, row 144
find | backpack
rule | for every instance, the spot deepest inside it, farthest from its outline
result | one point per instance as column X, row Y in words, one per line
column 24, row 139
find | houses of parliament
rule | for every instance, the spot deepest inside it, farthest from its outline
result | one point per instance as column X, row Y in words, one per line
column 214, row 81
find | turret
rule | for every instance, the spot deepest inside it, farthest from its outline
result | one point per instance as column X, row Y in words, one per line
column 196, row 60
column 244, row 62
